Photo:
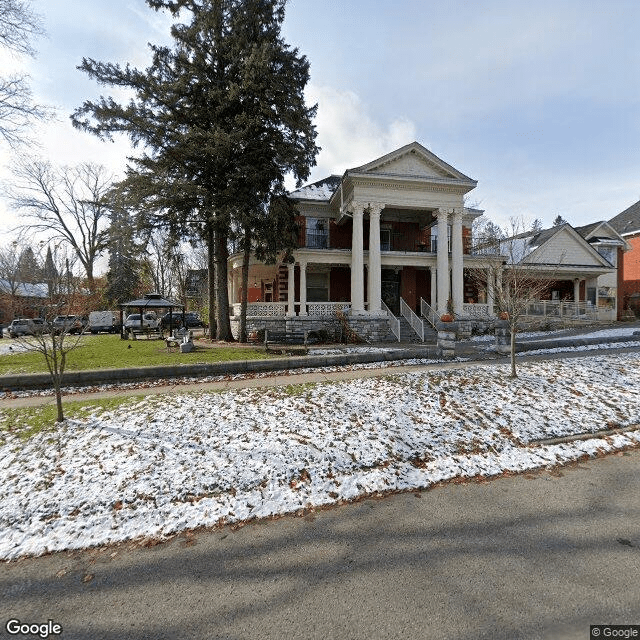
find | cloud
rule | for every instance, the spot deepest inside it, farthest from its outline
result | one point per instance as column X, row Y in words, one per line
column 348, row 134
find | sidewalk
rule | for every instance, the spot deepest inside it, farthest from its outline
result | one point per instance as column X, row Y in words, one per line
column 469, row 356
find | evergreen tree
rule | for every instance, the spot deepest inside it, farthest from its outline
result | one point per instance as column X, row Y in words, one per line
column 50, row 272
column 222, row 118
column 536, row 225
column 123, row 276
column 29, row 269
column 559, row 220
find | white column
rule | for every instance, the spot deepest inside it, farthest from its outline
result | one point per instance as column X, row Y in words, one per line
column 442, row 262
column 576, row 290
column 457, row 262
column 490, row 292
column 375, row 263
column 291, row 290
column 357, row 262
column 434, row 288
column 303, row 287
column 499, row 284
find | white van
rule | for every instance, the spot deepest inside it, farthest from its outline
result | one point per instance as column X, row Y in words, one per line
column 105, row 321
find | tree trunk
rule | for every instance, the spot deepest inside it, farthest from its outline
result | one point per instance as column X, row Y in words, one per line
column 245, row 285
column 60, row 417
column 514, row 373
column 211, row 269
column 222, row 290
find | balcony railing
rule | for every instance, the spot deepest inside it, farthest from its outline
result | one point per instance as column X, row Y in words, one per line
column 317, row 239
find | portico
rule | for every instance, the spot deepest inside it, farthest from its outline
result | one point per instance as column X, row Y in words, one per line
column 391, row 233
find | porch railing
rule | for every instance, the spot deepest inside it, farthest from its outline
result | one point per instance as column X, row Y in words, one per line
column 426, row 311
column 263, row 309
column 476, row 310
column 556, row 309
column 394, row 323
column 417, row 324
column 326, row 309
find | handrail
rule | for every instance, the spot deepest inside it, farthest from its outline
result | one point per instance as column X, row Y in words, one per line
column 427, row 312
column 416, row 323
column 394, row 323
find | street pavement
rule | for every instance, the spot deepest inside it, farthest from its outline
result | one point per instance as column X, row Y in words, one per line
column 536, row 556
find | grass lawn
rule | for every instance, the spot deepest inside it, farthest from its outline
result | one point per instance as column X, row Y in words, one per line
column 110, row 352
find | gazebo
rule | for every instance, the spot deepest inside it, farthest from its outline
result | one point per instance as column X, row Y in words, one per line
column 151, row 301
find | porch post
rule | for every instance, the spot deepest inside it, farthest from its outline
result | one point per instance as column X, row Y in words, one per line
column 234, row 286
column 457, row 262
column 291, row 289
column 490, row 291
column 434, row 288
column 499, row 282
column 375, row 264
column 443, row 262
column 303, row 287
column 576, row 289
column 357, row 262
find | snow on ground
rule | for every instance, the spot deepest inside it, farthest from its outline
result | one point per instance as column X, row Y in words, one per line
column 156, row 466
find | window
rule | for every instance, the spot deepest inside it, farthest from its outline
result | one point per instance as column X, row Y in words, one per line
column 385, row 239
column 317, row 287
column 317, row 233
column 608, row 253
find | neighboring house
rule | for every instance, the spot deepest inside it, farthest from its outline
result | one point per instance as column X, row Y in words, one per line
column 627, row 224
column 393, row 237
column 579, row 263
column 21, row 299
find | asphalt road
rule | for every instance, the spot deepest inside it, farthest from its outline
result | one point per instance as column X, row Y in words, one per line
column 540, row 555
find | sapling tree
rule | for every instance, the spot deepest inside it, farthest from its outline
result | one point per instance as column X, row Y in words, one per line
column 55, row 340
column 520, row 282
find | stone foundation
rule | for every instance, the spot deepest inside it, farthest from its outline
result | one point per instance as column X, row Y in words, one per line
column 368, row 328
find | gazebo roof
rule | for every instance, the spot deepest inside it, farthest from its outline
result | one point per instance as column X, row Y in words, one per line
column 153, row 301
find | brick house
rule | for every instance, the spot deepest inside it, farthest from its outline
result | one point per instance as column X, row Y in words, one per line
column 627, row 224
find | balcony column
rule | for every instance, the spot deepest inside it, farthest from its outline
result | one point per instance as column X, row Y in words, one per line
column 442, row 260
column 490, row 291
column 576, row 289
column 457, row 271
column 375, row 262
column 357, row 262
column 291, row 289
column 303, row 287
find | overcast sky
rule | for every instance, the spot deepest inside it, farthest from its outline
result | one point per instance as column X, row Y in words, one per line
column 538, row 101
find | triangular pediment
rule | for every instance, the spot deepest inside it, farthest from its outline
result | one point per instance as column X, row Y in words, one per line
column 412, row 161
column 566, row 247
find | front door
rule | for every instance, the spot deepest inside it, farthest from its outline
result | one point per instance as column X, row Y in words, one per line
column 391, row 290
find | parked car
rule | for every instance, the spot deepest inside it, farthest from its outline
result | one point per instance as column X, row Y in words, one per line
column 106, row 321
column 69, row 324
column 173, row 322
column 192, row 319
column 150, row 321
column 42, row 326
column 21, row 327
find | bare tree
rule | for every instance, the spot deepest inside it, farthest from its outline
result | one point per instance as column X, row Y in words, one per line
column 19, row 26
column 68, row 204
column 54, row 341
